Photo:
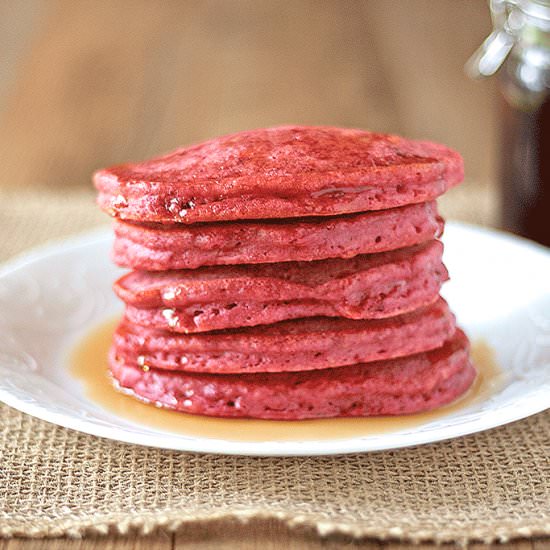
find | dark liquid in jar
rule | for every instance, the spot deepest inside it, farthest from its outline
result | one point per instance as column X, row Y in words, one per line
column 525, row 171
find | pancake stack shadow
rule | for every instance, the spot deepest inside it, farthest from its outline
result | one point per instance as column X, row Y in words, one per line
column 286, row 273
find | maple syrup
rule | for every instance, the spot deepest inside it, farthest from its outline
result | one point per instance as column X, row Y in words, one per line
column 88, row 363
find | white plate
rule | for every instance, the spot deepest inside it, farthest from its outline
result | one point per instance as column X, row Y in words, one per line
column 49, row 299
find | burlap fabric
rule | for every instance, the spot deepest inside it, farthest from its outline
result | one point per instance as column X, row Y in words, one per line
column 53, row 481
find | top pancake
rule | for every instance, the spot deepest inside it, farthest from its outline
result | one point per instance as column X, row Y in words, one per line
column 280, row 172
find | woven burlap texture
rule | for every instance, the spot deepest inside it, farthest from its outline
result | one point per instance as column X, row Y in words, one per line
column 53, row 481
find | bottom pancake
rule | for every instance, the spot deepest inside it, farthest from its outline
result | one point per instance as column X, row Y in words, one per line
column 398, row 386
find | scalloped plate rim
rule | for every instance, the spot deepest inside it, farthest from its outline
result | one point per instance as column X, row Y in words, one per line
column 129, row 433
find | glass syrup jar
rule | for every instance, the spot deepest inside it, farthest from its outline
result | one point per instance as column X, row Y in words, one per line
column 520, row 47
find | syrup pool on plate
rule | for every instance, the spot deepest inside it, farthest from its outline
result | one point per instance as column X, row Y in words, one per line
column 88, row 363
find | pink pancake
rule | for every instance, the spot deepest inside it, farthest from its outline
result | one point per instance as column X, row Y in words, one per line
column 302, row 344
column 279, row 172
column 157, row 248
column 213, row 298
column 398, row 386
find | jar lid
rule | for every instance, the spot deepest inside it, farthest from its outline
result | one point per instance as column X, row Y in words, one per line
column 512, row 19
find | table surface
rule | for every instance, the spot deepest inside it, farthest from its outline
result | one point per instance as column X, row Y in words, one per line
column 265, row 535
column 88, row 84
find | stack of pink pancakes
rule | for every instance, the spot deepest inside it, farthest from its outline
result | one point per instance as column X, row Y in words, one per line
column 286, row 273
